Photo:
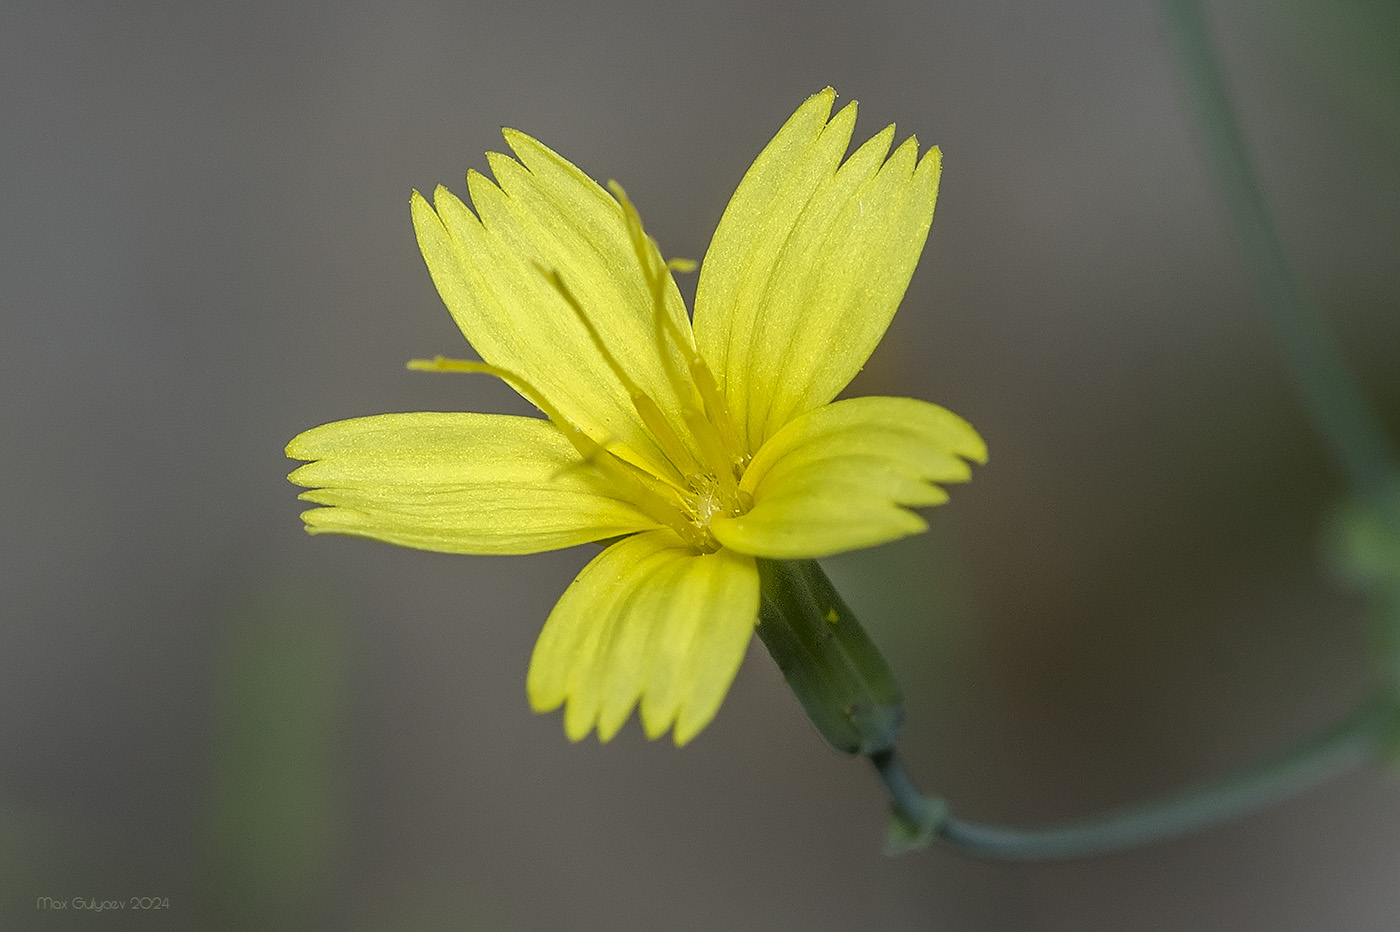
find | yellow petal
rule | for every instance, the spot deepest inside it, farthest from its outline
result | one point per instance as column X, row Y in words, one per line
column 809, row 263
column 541, row 216
column 649, row 619
column 839, row 477
column 460, row 483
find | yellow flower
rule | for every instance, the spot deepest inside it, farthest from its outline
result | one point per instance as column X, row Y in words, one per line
column 694, row 450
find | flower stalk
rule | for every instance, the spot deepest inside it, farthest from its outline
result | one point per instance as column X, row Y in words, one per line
column 1367, row 457
column 1354, row 742
column 843, row 683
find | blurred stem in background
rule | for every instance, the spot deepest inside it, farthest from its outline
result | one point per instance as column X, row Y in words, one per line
column 1364, row 539
column 850, row 694
column 276, row 803
column 1339, row 410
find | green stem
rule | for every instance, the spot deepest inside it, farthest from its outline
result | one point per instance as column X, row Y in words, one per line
column 1353, row 742
column 849, row 693
column 1339, row 409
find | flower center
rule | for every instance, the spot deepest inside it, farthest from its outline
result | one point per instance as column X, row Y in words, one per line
column 704, row 457
column 710, row 499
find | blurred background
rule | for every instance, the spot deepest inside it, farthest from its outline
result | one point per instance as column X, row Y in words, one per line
column 206, row 249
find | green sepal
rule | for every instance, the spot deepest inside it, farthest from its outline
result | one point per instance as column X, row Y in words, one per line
column 831, row 665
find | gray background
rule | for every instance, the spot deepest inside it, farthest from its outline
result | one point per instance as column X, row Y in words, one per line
column 206, row 249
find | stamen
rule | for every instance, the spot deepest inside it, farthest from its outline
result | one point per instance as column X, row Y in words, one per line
column 713, row 448
column 662, row 501
column 646, row 407
column 701, row 380
column 698, row 477
column 656, row 284
column 581, row 441
column 718, row 411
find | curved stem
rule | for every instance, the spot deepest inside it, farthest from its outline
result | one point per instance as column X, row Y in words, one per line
column 1361, row 448
column 1339, row 409
column 1353, row 742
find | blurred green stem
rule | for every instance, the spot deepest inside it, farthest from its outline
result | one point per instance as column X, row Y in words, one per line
column 1339, row 409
